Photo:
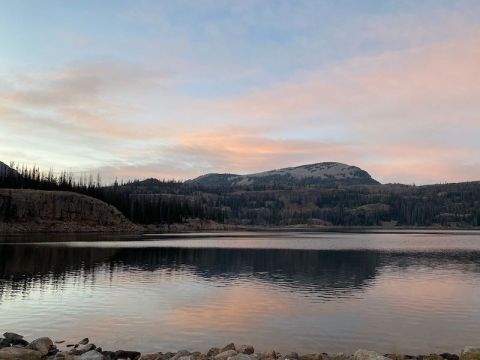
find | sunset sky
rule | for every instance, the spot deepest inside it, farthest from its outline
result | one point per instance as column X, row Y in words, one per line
column 176, row 89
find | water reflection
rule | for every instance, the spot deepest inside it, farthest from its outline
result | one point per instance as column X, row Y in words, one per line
column 325, row 273
column 163, row 298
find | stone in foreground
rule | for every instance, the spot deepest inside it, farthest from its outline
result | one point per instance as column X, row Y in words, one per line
column 42, row 345
column 368, row 355
column 246, row 349
column 91, row 355
column 225, row 355
column 18, row 353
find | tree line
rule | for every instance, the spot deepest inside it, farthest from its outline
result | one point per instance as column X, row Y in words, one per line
column 153, row 201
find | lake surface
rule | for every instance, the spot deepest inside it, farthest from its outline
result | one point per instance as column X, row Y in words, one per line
column 305, row 292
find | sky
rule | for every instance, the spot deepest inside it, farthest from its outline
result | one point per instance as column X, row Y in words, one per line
column 176, row 89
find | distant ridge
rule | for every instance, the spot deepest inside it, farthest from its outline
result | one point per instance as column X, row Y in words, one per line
column 324, row 173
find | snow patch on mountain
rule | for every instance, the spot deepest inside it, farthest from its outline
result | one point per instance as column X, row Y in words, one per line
column 326, row 172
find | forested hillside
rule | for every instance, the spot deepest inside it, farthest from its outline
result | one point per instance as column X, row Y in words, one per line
column 159, row 202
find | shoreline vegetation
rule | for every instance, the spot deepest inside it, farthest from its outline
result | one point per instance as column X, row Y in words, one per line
column 33, row 201
column 14, row 347
column 26, row 211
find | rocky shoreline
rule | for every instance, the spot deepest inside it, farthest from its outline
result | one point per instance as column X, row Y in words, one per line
column 14, row 347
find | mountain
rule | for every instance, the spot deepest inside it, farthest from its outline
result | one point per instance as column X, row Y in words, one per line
column 325, row 173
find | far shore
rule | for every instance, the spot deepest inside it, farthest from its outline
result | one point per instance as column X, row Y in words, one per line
column 199, row 227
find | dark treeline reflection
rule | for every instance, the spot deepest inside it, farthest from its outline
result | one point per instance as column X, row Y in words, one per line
column 343, row 272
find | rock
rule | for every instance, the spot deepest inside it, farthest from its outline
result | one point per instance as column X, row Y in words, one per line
column 470, row 353
column 268, row 355
column 224, row 355
column 246, row 349
column 12, row 336
column 132, row 355
column 19, row 342
column 109, row 355
column 180, row 354
column 292, row 356
column 368, row 355
column 43, row 345
column 157, row 356
column 449, row 356
column 82, row 349
column 61, row 355
column 4, row 343
column 16, row 353
column 242, row 357
column 213, row 351
column 186, row 357
column 230, row 346
column 84, row 341
column 395, row 356
column 311, row 357
column 92, row 355
column 59, row 341
column 201, row 357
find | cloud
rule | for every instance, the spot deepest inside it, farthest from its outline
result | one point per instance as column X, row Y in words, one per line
column 406, row 112
column 89, row 99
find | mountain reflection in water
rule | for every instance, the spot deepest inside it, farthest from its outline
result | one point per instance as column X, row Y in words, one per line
column 167, row 298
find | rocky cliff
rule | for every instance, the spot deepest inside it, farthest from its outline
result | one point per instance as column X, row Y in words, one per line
column 55, row 211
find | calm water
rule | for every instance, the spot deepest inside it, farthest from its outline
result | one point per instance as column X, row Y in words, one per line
column 410, row 293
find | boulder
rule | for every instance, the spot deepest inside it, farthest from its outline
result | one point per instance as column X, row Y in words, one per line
column 448, row 356
column 180, row 354
column 91, row 355
column 213, row 351
column 18, row 353
column 131, row 355
column 19, row 342
column 224, row 355
column 82, row 349
column 156, row 356
column 12, row 336
column 44, row 345
column 290, row 356
column 4, row 343
column 268, row 355
column 368, row 355
column 309, row 356
column 433, row 357
column 84, row 341
column 61, row 355
column 109, row 355
column 230, row 346
column 200, row 356
column 242, row 357
column 186, row 357
column 246, row 349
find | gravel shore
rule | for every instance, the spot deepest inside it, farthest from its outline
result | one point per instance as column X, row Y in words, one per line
column 14, row 347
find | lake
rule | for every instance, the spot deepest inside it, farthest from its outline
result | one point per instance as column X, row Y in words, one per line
column 306, row 292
